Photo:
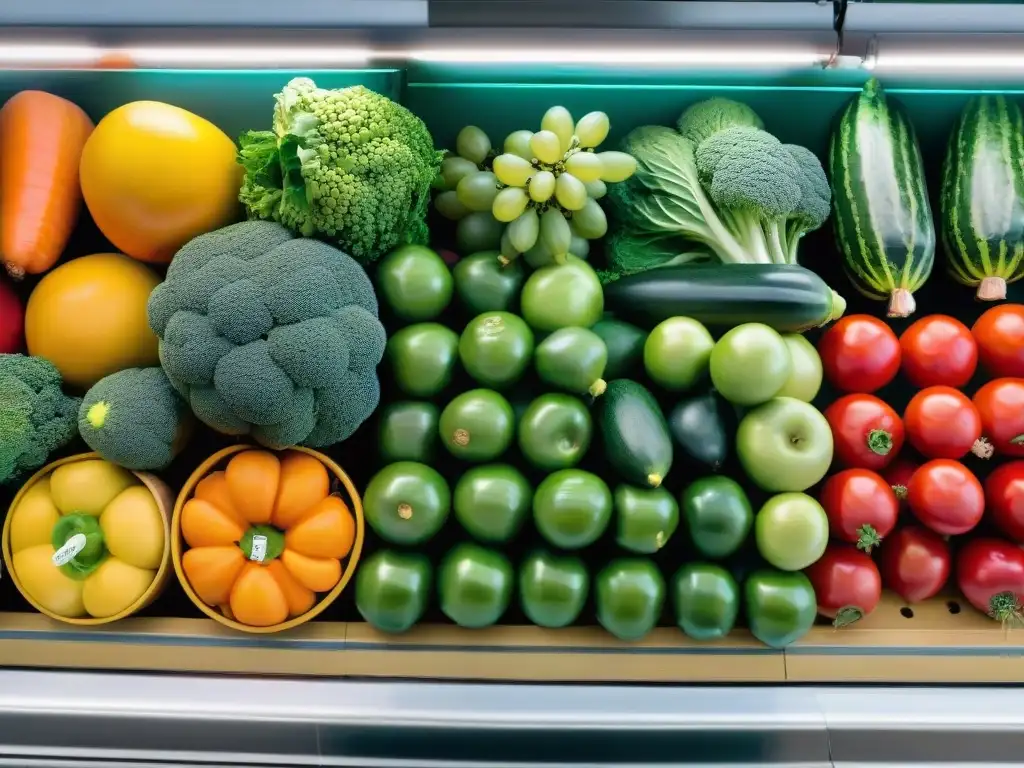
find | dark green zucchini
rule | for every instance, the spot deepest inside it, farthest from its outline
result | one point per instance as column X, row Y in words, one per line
column 636, row 439
column 625, row 344
column 703, row 427
column 786, row 297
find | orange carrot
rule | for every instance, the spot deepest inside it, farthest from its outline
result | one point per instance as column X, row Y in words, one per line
column 41, row 141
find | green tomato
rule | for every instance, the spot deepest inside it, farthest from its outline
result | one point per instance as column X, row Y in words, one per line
column 491, row 502
column 414, row 283
column 572, row 508
column 477, row 425
column 495, row 348
column 553, row 589
column 393, row 589
column 573, row 359
column 630, row 593
column 784, row 445
column 647, row 518
column 474, row 585
column 407, row 431
column 562, row 295
column 781, row 607
column 791, row 530
column 484, row 284
column 805, row 380
column 718, row 515
column 422, row 358
column 407, row 502
column 677, row 353
column 750, row 364
column 706, row 599
column 555, row 432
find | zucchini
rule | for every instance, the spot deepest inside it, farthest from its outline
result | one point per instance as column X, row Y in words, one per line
column 636, row 439
column 883, row 220
column 982, row 199
column 787, row 297
column 702, row 427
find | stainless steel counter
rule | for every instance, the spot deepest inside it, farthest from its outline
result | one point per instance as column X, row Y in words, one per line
column 76, row 719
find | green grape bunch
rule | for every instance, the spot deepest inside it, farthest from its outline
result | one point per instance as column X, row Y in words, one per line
column 473, row 155
column 548, row 184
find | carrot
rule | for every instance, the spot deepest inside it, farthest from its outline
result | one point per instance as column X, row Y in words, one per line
column 41, row 141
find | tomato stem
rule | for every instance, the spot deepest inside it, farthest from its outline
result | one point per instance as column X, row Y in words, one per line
column 900, row 490
column 982, row 448
column 880, row 442
column 868, row 538
column 91, row 555
column 847, row 615
column 1018, row 440
column 270, row 547
column 1005, row 608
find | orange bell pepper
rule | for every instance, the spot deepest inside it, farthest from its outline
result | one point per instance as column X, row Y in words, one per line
column 265, row 535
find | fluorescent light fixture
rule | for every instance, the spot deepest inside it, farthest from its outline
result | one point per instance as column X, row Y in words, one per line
column 945, row 61
column 740, row 57
column 48, row 55
column 231, row 56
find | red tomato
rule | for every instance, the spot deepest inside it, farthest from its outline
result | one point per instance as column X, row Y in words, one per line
column 1000, row 336
column 945, row 496
column 898, row 476
column 861, row 507
column 1004, row 499
column 866, row 432
column 938, row 349
column 990, row 573
column 942, row 423
column 859, row 353
column 846, row 582
column 12, row 320
column 1000, row 404
column 915, row 563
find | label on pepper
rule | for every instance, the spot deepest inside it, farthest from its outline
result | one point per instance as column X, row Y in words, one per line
column 259, row 548
column 71, row 547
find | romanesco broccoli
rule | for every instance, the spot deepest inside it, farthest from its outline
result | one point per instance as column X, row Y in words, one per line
column 135, row 418
column 349, row 165
column 269, row 335
column 36, row 417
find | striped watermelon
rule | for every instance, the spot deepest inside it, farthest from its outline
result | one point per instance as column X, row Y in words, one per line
column 883, row 221
column 982, row 202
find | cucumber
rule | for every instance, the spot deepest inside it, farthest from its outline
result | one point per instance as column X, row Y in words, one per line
column 982, row 199
column 625, row 345
column 636, row 438
column 703, row 427
column 883, row 220
column 786, row 297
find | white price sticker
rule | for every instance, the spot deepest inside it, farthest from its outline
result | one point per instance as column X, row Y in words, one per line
column 259, row 548
column 71, row 547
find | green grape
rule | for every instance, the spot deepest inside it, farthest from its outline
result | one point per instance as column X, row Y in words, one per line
column 472, row 144
column 518, row 143
column 590, row 222
column 479, row 231
column 585, row 166
column 523, row 231
column 555, row 233
column 616, row 166
column 592, row 129
column 513, row 170
column 542, row 186
column 509, row 204
column 559, row 122
column 448, row 205
column 570, row 192
column 507, row 249
column 539, row 256
column 579, row 247
column 478, row 190
column 454, row 169
column 596, row 189
column 546, row 147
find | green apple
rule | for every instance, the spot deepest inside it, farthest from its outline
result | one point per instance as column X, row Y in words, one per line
column 677, row 352
column 805, row 380
column 791, row 531
column 750, row 364
column 784, row 445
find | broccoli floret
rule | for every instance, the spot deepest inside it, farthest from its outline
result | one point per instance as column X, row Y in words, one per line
column 36, row 417
column 135, row 418
column 286, row 350
column 815, row 199
column 706, row 118
column 347, row 165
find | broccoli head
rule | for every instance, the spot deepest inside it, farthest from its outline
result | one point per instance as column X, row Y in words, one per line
column 815, row 199
column 36, row 417
column 135, row 418
column 350, row 166
column 706, row 118
column 270, row 335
